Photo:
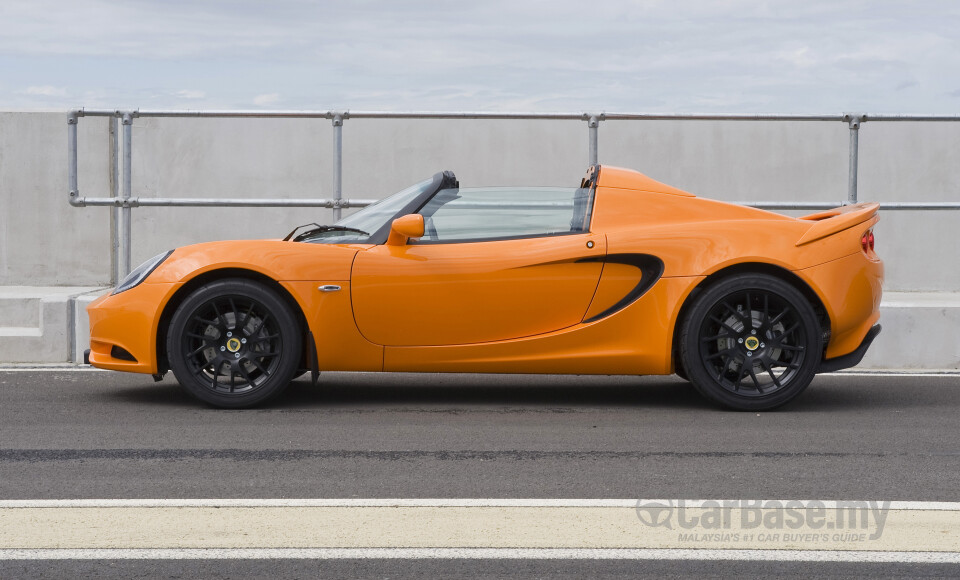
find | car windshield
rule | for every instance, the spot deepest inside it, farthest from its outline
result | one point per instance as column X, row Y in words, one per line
column 367, row 221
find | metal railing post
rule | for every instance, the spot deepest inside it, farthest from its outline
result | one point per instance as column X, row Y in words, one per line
column 853, row 121
column 114, row 178
column 72, row 118
column 337, row 164
column 593, row 123
column 124, row 228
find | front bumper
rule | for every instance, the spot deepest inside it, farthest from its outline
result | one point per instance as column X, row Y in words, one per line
column 126, row 324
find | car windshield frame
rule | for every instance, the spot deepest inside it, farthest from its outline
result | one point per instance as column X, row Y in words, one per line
column 376, row 218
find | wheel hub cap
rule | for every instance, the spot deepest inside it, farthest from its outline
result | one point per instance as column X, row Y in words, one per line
column 752, row 343
column 233, row 345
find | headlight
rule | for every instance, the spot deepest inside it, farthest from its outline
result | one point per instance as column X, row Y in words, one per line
column 140, row 274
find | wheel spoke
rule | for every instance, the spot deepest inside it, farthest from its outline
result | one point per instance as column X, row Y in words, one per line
column 245, row 374
column 790, row 347
column 766, row 308
column 233, row 380
column 198, row 350
column 236, row 313
column 246, row 319
column 259, row 366
column 789, row 330
column 264, row 338
column 724, row 324
column 742, row 373
column 777, row 318
column 724, row 352
column 216, row 311
column 735, row 312
column 263, row 321
column 753, row 375
column 748, row 312
column 785, row 365
column 723, row 369
column 769, row 370
column 716, row 337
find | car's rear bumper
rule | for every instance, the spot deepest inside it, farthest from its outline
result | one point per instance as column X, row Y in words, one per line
column 850, row 289
column 853, row 359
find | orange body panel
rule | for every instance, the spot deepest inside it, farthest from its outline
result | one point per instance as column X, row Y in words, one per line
column 330, row 318
column 440, row 294
column 617, row 177
column 131, row 319
column 635, row 340
column 522, row 305
column 850, row 289
column 701, row 236
column 274, row 259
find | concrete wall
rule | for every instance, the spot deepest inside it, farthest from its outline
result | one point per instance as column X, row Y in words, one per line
column 44, row 241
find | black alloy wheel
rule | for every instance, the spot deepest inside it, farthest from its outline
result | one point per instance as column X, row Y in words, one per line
column 751, row 342
column 234, row 343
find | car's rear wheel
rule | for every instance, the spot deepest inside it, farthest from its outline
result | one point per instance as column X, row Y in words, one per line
column 234, row 343
column 751, row 342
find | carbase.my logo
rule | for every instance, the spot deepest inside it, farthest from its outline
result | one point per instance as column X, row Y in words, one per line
column 656, row 513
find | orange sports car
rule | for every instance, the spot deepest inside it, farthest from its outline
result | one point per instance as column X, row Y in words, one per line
column 621, row 275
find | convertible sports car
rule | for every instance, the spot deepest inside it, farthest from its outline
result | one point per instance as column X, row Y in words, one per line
column 622, row 275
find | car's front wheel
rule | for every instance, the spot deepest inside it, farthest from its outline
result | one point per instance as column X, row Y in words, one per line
column 751, row 342
column 234, row 343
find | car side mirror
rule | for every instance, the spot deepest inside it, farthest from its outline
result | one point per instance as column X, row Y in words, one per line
column 404, row 228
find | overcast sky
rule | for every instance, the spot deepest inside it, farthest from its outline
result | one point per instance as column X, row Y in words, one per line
column 737, row 56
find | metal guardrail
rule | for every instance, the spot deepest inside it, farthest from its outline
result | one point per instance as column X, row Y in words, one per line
column 122, row 199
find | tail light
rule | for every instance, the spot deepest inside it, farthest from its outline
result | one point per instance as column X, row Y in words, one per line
column 866, row 241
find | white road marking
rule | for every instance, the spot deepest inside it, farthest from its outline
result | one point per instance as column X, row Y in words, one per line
column 486, row 554
column 448, row 502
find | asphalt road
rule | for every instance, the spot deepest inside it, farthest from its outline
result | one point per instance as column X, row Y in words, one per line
column 112, row 435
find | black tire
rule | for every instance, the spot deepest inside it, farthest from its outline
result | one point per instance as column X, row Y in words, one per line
column 234, row 343
column 751, row 342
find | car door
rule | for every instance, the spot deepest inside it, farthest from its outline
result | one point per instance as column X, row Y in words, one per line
column 494, row 264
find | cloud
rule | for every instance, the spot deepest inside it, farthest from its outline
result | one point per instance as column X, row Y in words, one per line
column 46, row 91
column 189, row 94
column 733, row 56
column 267, row 99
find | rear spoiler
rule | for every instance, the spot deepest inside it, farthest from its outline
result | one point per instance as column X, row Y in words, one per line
column 836, row 220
